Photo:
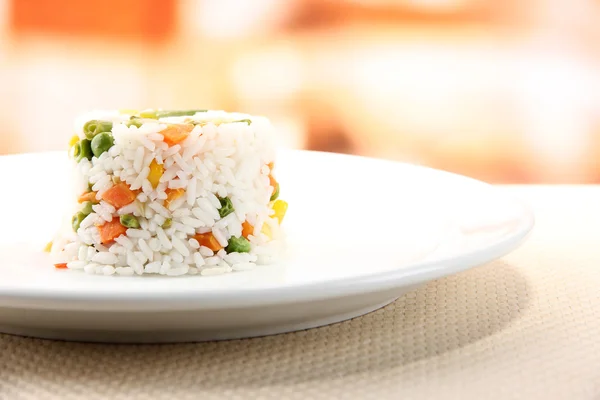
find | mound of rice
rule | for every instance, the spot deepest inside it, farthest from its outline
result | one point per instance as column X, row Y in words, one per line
column 171, row 193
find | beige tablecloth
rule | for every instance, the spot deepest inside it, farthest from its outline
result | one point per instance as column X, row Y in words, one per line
column 524, row 327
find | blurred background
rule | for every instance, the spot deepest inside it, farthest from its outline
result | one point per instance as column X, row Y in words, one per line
column 504, row 91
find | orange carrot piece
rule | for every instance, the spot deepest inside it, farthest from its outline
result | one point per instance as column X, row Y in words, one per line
column 247, row 229
column 271, row 165
column 172, row 195
column 272, row 181
column 60, row 266
column 208, row 240
column 87, row 196
column 111, row 230
column 119, row 195
column 176, row 134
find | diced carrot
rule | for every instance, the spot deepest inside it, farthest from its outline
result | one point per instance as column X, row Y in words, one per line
column 119, row 195
column 247, row 229
column 176, row 134
column 111, row 230
column 208, row 240
column 172, row 195
column 272, row 181
column 271, row 165
column 88, row 196
column 60, row 266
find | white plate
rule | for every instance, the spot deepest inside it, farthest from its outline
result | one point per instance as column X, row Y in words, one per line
column 361, row 233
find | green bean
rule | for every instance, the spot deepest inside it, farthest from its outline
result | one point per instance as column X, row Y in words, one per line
column 148, row 114
column 85, row 150
column 177, row 113
column 275, row 194
column 77, row 219
column 129, row 221
column 101, row 143
column 238, row 245
column 87, row 208
column 248, row 121
column 226, row 207
column 94, row 127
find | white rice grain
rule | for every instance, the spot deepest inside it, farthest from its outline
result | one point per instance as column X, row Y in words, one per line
column 138, row 159
column 138, row 234
column 164, row 240
column 198, row 260
column 108, row 270
column 82, row 253
column 182, row 163
column 220, row 236
column 191, row 192
column 145, row 249
column 126, row 271
column 212, row 260
column 205, row 251
column 156, row 137
column 90, row 268
column 166, row 266
column 180, row 246
column 160, row 209
column 105, row 258
column 141, row 257
column 153, row 267
column 125, row 242
column 213, row 200
column 175, row 204
column 215, row 271
column 154, row 244
column 171, row 151
column 193, row 222
column 76, row 264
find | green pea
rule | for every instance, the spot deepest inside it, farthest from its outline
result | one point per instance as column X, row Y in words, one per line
column 244, row 120
column 95, row 127
column 238, row 245
column 134, row 121
column 101, row 143
column 167, row 224
column 77, row 150
column 177, row 113
column 85, row 150
column 275, row 194
column 226, row 207
column 87, row 208
column 89, row 128
column 76, row 221
column 129, row 221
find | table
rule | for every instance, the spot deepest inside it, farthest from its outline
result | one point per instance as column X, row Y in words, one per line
column 523, row 327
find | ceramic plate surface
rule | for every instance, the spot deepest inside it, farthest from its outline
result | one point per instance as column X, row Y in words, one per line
column 361, row 232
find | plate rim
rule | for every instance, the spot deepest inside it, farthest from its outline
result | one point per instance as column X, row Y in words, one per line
column 410, row 274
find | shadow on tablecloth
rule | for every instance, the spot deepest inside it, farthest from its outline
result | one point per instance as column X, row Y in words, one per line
column 444, row 316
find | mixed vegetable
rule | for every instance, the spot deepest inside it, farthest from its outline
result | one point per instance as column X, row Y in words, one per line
column 97, row 139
